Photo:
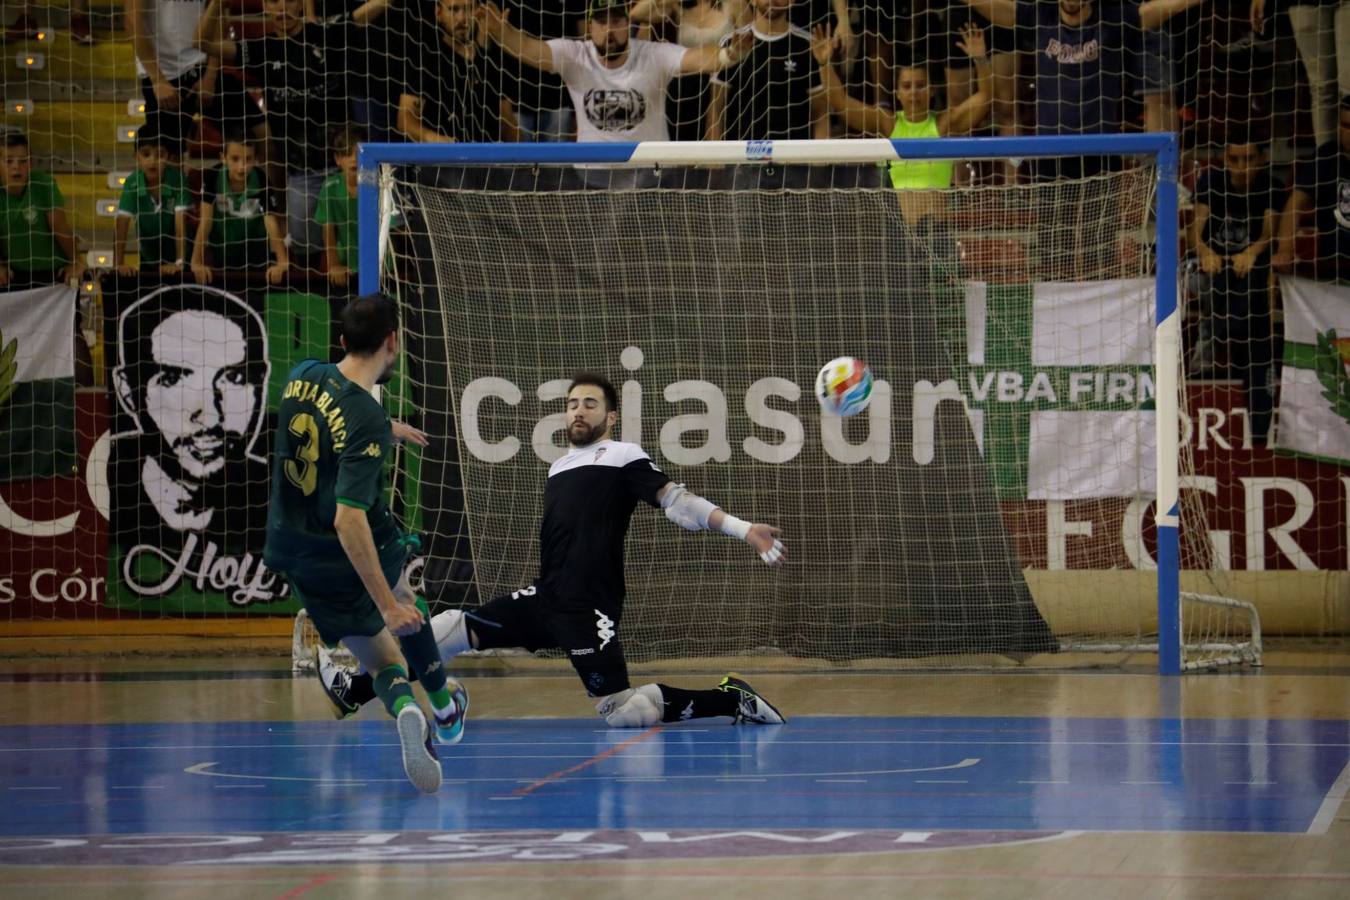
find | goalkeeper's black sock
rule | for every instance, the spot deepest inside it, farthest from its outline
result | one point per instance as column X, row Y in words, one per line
column 391, row 684
column 360, row 689
column 681, row 704
column 424, row 660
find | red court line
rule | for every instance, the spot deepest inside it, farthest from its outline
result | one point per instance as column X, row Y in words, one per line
column 603, row 755
column 305, row 888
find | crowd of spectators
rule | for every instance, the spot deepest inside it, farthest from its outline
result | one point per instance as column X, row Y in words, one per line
column 287, row 98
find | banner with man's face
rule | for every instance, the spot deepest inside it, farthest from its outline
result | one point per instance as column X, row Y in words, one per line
column 188, row 457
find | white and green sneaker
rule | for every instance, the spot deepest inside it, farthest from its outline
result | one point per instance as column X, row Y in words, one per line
column 450, row 727
column 419, row 757
column 751, row 707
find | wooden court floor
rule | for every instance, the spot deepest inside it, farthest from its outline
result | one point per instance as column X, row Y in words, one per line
column 227, row 778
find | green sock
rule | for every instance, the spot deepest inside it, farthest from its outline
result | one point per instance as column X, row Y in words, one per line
column 424, row 660
column 391, row 686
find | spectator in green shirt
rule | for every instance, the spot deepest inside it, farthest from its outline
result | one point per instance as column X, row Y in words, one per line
column 156, row 196
column 238, row 217
column 337, row 208
column 36, row 243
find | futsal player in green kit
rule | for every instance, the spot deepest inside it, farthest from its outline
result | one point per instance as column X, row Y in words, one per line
column 331, row 532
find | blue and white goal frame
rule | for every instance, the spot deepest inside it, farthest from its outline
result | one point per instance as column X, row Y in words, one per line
column 1167, row 335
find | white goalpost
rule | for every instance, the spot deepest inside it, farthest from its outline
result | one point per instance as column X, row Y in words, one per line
column 1018, row 490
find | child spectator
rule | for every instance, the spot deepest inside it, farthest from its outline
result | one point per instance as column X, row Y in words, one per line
column 238, row 218
column 36, row 244
column 1232, row 231
column 157, row 198
column 337, row 208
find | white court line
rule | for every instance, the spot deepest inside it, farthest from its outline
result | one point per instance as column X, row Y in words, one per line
column 940, row 781
column 732, row 779
column 135, row 787
column 1042, row 782
column 1146, row 782
column 779, row 742
column 35, row 789
column 230, row 787
column 1326, row 813
column 203, row 767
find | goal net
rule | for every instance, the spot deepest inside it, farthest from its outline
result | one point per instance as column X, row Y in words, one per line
column 962, row 519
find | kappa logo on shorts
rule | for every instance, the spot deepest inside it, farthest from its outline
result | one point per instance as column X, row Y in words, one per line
column 604, row 628
column 372, row 450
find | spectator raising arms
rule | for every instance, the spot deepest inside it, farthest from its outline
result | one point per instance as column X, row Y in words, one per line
column 916, row 118
column 1088, row 54
column 454, row 91
column 617, row 83
column 776, row 92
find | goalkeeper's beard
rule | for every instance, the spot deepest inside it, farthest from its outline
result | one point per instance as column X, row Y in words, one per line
column 583, row 434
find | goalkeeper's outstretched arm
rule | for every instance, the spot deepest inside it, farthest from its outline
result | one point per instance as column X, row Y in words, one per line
column 692, row 512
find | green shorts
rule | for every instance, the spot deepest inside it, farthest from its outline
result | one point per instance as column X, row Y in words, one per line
column 341, row 607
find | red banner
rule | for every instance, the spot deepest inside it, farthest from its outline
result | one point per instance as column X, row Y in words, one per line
column 54, row 531
column 1244, row 508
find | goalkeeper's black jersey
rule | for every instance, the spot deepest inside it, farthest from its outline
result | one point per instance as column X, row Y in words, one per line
column 588, row 503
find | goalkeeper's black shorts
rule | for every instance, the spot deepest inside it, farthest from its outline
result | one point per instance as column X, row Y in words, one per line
column 587, row 633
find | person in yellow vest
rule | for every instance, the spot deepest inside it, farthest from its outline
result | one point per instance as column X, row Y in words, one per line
column 922, row 183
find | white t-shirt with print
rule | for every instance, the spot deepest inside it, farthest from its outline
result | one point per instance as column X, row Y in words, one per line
column 623, row 104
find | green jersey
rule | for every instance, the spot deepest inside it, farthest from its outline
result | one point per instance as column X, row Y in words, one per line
column 338, row 209
column 155, row 216
column 332, row 438
column 29, row 245
column 238, row 225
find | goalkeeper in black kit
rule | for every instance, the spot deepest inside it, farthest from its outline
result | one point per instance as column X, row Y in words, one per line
column 577, row 602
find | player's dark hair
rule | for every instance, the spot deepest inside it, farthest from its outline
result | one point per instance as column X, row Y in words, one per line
column 597, row 380
column 235, row 135
column 16, row 139
column 149, row 135
column 347, row 138
column 367, row 321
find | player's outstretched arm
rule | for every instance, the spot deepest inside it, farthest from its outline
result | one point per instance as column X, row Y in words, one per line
column 694, row 513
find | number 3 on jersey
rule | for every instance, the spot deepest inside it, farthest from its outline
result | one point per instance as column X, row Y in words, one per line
column 302, row 471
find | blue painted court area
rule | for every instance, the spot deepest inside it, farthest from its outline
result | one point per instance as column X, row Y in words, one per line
column 816, row 773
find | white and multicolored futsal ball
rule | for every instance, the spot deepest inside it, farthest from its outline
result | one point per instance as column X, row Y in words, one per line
column 844, row 386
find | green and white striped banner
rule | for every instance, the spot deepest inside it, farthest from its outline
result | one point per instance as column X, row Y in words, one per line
column 37, row 383
column 1314, row 410
column 1060, row 387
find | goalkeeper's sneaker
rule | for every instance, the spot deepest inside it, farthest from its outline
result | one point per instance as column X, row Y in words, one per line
column 751, row 707
column 336, row 682
column 450, row 727
column 419, row 757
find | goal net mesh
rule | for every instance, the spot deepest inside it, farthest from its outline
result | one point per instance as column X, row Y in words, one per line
column 1011, row 337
